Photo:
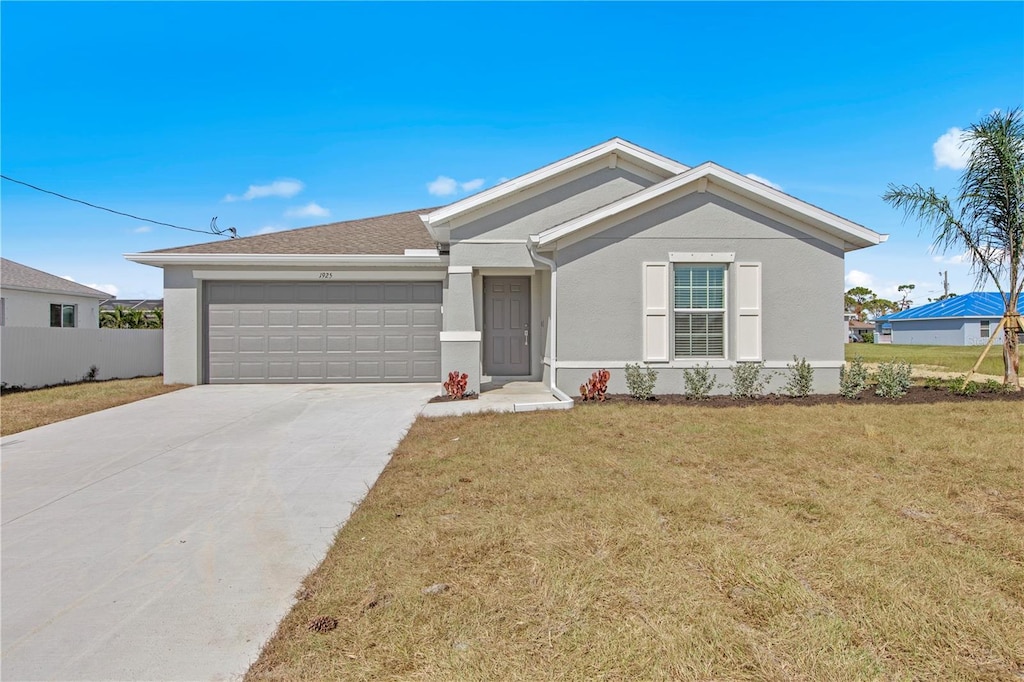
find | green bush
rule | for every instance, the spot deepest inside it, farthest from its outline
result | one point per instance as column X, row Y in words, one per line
column 854, row 380
column 747, row 379
column 892, row 379
column 801, row 379
column 640, row 381
column 699, row 382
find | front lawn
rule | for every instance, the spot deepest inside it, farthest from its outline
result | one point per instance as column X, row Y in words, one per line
column 625, row 541
column 23, row 410
column 957, row 359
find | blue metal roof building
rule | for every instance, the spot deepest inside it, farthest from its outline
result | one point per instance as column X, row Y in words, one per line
column 967, row 320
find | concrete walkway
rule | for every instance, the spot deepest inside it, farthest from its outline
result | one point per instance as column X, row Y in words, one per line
column 513, row 396
column 164, row 540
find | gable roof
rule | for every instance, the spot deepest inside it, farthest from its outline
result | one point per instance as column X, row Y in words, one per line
column 645, row 158
column 17, row 276
column 709, row 174
column 388, row 234
column 987, row 304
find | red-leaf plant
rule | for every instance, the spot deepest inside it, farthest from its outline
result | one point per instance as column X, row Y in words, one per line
column 596, row 387
column 456, row 385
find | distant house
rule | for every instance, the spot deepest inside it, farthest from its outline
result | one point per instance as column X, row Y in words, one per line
column 33, row 298
column 967, row 320
column 132, row 304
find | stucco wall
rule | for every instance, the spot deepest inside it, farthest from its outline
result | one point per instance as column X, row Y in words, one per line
column 183, row 326
column 600, row 294
column 572, row 199
column 948, row 332
column 32, row 308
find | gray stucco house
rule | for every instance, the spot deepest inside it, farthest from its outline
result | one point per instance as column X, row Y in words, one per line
column 965, row 320
column 610, row 256
column 33, row 298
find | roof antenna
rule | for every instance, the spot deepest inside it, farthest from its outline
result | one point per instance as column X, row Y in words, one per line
column 226, row 230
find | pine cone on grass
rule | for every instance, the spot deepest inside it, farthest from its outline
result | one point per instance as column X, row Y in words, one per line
column 322, row 624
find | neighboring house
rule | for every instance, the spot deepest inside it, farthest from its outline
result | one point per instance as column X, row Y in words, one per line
column 132, row 303
column 858, row 329
column 33, row 298
column 965, row 320
column 614, row 255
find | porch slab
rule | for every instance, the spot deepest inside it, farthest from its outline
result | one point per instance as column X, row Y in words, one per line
column 514, row 396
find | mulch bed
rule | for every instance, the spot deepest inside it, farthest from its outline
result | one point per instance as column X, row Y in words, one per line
column 445, row 399
column 917, row 395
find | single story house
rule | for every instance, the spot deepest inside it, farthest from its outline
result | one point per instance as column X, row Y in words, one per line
column 611, row 256
column 966, row 320
column 33, row 298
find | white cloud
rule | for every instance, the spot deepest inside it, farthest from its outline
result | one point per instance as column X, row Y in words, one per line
column 284, row 188
column 143, row 229
column 502, row 179
column 764, row 181
column 111, row 289
column 68, row 278
column 856, row 278
column 443, row 186
column 952, row 150
column 310, row 210
column 472, row 185
column 959, row 259
column 267, row 229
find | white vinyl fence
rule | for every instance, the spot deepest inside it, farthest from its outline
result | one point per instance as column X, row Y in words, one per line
column 44, row 356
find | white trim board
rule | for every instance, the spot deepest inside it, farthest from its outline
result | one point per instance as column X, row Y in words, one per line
column 311, row 260
column 314, row 276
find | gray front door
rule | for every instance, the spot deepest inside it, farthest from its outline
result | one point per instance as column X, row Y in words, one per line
column 506, row 326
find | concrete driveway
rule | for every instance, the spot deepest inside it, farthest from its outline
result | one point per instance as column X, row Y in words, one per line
column 165, row 539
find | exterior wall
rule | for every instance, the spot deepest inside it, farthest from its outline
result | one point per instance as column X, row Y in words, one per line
column 32, row 308
column 183, row 326
column 600, row 290
column 942, row 332
column 596, row 187
column 37, row 356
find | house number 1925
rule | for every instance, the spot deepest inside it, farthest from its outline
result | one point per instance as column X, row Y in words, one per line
column 326, row 275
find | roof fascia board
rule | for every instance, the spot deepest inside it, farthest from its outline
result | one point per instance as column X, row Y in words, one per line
column 626, row 150
column 270, row 259
column 994, row 316
column 62, row 292
column 852, row 235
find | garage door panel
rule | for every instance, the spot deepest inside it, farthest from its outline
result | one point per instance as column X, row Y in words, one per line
column 368, row 318
column 281, row 344
column 323, row 332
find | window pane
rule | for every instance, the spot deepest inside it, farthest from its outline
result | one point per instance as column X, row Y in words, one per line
column 55, row 315
column 699, row 287
column 69, row 316
column 699, row 335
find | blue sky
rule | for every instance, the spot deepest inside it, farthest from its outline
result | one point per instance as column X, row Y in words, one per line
column 272, row 116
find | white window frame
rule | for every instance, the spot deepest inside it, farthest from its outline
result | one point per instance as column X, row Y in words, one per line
column 724, row 310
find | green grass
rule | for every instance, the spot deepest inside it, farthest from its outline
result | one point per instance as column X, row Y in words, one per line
column 639, row 542
column 957, row 359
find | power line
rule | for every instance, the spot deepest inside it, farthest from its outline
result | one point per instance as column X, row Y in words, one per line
column 213, row 224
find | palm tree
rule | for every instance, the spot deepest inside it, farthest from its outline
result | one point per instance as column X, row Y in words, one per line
column 986, row 218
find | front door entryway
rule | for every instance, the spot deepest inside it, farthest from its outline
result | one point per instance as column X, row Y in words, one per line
column 506, row 326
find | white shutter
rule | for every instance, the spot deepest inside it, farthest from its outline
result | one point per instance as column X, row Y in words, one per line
column 748, row 309
column 656, row 311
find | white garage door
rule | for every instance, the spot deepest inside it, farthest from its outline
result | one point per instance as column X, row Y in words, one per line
column 331, row 332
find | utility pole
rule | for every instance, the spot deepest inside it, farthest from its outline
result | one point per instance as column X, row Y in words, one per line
column 945, row 284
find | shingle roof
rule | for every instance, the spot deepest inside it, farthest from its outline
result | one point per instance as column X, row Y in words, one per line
column 384, row 235
column 16, row 275
column 974, row 304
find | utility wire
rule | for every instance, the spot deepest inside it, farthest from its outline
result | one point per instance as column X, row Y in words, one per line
column 216, row 231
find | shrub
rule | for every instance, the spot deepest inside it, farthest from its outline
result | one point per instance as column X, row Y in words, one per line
column 596, row 387
column 456, row 385
column 893, row 379
column 961, row 386
column 867, row 336
column 747, row 380
column 699, row 382
column 854, row 380
column 640, row 381
column 993, row 386
column 801, row 379
column 91, row 375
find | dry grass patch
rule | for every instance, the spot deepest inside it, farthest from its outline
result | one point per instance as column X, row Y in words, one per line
column 24, row 410
column 641, row 542
column 958, row 359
